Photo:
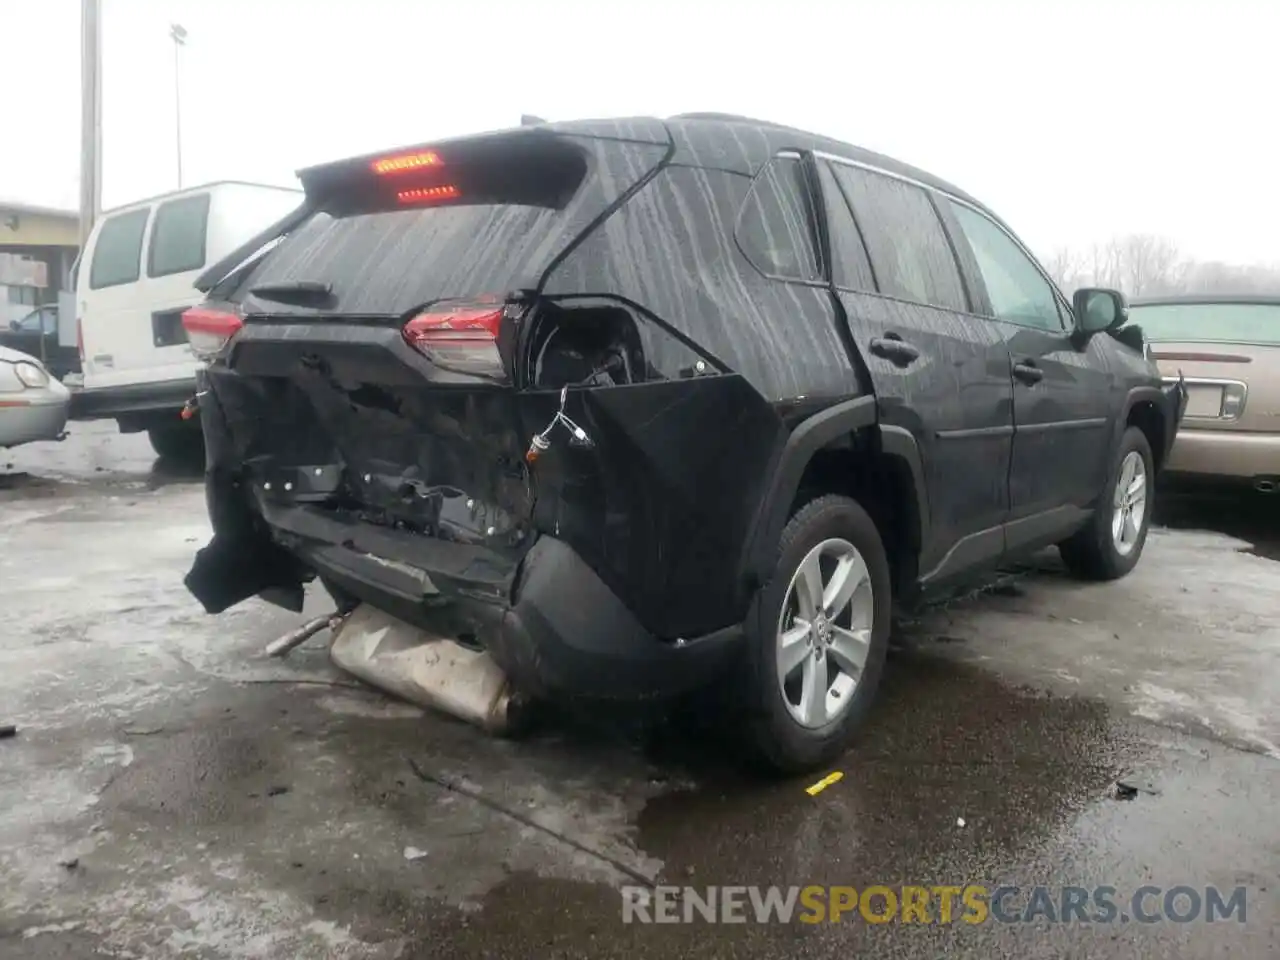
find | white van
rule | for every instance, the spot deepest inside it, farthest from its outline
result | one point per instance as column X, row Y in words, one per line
column 135, row 277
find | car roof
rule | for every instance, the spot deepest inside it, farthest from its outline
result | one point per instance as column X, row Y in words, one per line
column 717, row 141
column 742, row 144
column 1208, row 299
column 187, row 191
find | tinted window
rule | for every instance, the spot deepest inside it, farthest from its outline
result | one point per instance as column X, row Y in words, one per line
column 850, row 267
column 775, row 226
column 1212, row 322
column 177, row 236
column 117, row 254
column 45, row 316
column 1018, row 291
column 909, row 251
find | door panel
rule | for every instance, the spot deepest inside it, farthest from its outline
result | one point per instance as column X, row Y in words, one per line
column 1062, row 421
column 938, row 372
column 1061, row 393
column 955, row 399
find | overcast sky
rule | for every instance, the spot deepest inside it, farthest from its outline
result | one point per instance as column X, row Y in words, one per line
column 1074, row 119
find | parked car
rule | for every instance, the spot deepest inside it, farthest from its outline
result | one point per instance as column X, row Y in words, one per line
column 33, row 405
column 134, row 279
column 1228, row 349
column 37, row 334
column 634, row 404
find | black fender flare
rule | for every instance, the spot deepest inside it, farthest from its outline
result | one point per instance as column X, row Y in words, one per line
column 1164, row 401
column 793, row 458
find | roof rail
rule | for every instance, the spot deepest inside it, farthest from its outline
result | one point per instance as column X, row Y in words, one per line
column 725, row 117
column 735, row 118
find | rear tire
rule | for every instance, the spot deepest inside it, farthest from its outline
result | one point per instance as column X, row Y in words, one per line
column 1109, row 546
column 814, row 643
column 182, row 443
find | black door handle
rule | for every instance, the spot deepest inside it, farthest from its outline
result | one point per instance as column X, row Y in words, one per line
column 894, row 349
column 1028, row 372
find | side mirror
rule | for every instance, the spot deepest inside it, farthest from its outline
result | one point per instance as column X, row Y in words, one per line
column 1098, row 310
column 14, row 325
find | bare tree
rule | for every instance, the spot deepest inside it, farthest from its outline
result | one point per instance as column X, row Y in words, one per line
column 1147, row 264
column 1066, row 267
column 1143, row 265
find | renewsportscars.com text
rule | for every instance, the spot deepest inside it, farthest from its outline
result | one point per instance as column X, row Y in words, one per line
column 971, row 904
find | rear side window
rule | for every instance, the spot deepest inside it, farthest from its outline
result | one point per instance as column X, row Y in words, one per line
column 775, row 225
column 1018, row 291
column 178, row 236
column 117, row 254
column 850, row 267
column 909, row 251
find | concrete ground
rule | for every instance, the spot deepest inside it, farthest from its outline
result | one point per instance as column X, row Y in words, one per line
column 171, row 793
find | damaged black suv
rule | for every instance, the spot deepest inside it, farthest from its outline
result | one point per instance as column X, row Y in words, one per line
column 634, row 405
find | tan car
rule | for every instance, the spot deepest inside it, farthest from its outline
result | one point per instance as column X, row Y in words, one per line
column 1228, row 348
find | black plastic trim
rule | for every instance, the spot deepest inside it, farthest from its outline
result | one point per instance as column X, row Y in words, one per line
column 898, row 442
column 787, row 469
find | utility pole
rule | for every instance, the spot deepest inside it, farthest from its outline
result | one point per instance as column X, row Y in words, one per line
column 90, row 116
column 178, row 34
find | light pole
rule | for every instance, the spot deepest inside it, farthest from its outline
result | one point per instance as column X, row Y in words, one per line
column 178, row 34
column 90, row 117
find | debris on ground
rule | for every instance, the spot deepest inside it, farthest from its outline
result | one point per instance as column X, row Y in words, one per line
column 959, row 821
column 1128, row 789
column 70, row 863
column 413, row 853
column 825, row 782
column 8, row 730
column 277, row 791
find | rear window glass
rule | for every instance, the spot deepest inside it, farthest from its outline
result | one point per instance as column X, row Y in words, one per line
column 909, row 251
column 775, row 227
column 117, row 254
column 178, row 236
column 391, row 262
column 1210, row 322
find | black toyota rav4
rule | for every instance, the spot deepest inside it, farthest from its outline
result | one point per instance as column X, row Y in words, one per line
column 639, row 404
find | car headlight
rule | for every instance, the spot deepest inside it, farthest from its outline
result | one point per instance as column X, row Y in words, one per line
column 29, row 375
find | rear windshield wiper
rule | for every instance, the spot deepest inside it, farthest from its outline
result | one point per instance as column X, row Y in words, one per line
column 293, row 291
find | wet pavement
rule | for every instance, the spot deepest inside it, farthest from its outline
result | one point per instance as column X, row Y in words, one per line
column 172, row 793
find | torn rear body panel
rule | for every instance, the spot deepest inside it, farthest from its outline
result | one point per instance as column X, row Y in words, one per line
column 566, row 481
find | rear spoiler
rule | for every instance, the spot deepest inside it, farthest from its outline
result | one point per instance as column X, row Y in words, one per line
column 220, row 270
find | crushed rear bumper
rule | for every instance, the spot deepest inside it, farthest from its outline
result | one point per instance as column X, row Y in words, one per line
column 552, row 624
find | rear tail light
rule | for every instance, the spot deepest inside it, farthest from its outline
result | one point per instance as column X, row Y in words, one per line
column 80, row 339
column 406, row 162
column 425, row 195
column 210, row 330
column 462, row 337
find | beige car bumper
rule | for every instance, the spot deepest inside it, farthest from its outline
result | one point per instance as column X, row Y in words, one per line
column 1225, row 453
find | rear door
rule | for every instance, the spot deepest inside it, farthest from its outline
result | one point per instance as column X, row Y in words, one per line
column 939, row 372
column 1064, row 396
column 177, row 251
column 115, row 332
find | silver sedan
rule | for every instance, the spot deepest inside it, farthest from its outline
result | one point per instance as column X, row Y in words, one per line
column 33, row 405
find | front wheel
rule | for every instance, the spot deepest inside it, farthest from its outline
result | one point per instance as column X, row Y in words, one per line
column 817, row 635
column 1110, row 545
